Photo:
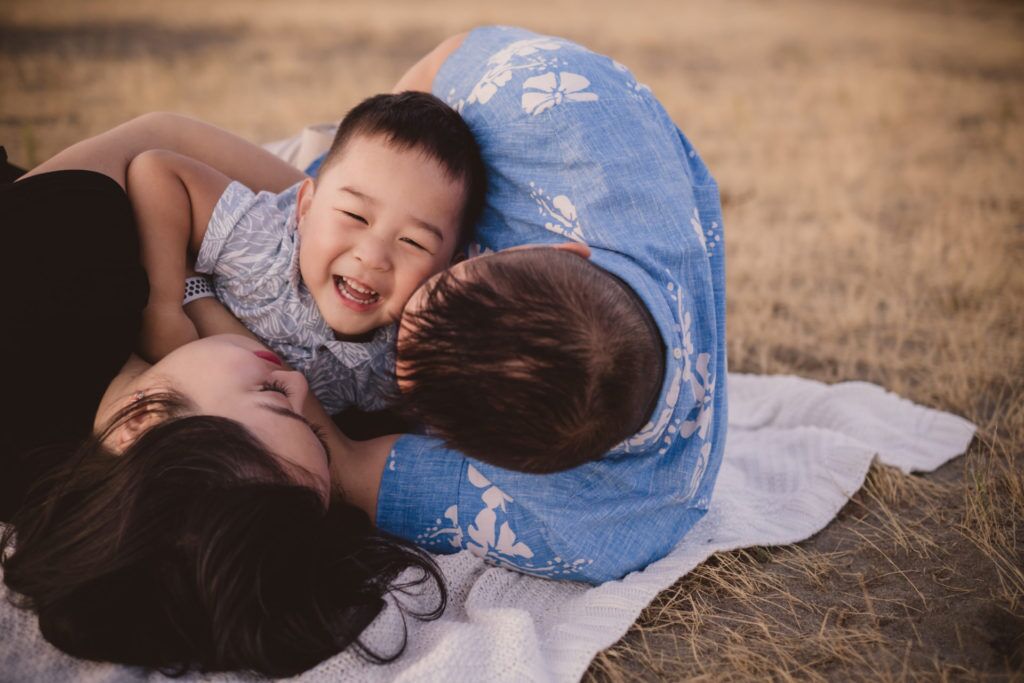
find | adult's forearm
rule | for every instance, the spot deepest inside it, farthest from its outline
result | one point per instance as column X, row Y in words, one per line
column 111, row 152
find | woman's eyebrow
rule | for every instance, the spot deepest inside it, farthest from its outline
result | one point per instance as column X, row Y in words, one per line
column 285, row 412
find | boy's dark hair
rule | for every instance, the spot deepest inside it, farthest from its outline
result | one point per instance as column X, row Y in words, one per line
column 194, row 549
column 534, row 360
column 420, row 121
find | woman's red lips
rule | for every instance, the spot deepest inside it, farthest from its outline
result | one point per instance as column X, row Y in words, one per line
column 268, row 356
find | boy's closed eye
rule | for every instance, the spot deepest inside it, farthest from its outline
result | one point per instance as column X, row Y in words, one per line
column 409, row 240
column 425, row 236
column 353, row 216
column 418, row 243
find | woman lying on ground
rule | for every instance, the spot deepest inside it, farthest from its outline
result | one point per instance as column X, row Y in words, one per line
column 196, row 526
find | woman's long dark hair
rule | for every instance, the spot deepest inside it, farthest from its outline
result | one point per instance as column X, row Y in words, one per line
column 195, row 549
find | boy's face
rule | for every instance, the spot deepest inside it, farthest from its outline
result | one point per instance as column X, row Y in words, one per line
column 377, row 224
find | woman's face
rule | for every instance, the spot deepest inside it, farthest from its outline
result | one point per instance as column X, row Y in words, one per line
column 237, row 378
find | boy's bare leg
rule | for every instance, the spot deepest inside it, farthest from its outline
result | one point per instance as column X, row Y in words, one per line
column 111, row 152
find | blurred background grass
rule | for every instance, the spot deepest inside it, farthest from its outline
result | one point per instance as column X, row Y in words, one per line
column 870, row 159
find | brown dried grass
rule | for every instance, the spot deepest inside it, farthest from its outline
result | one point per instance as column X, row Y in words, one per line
column 870, row 160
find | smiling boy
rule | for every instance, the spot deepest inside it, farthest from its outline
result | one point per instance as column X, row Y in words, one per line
column 378, row 222
column 321, row 271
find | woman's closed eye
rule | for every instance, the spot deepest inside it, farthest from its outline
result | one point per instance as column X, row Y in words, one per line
column 274, row 385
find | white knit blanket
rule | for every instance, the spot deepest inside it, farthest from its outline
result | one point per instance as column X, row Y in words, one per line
column 796, row 451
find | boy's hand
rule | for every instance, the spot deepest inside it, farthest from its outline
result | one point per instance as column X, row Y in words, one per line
column 165, row 327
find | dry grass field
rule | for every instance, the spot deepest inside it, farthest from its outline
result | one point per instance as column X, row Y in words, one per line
column 871, row 157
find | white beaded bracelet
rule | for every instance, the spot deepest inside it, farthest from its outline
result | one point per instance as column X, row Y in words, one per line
column 197, row 287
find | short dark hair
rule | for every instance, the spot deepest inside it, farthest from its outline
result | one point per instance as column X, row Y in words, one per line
column 534, row 360
column 194, row 549
column 420, row 121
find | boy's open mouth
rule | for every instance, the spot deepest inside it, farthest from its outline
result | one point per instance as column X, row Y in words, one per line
column 353, row 291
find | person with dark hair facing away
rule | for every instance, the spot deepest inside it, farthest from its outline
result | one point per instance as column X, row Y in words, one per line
column 530, row 359
column 213, row 519
column 198, row 529
column 321, row 271
column 198, row 548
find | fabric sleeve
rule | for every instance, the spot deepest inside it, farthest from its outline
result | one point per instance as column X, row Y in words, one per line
column 418, row 498
column 536, row 524
column 241, row 235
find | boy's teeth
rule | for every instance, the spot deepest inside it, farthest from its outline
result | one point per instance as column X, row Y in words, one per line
column 354, row 292
column 361, row 290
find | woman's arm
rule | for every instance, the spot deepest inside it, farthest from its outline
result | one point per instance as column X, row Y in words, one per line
column 111, row 152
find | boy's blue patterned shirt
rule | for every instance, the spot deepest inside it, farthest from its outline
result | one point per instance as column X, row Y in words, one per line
column 251, row 248
column 577, row 149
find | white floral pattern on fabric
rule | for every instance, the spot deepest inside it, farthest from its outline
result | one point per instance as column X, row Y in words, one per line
column 702, row 386
column 482, row 531
column 565, row 220
column 635, row 87
column 698, row 228
column 438, row 532
column 709, row 238
column 500, row 71
column 499, row 544
column 541, row 93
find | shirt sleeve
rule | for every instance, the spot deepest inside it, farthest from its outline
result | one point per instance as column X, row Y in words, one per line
column 419, row 494
column 446, row 502
column 246, row 233
column 591, row 524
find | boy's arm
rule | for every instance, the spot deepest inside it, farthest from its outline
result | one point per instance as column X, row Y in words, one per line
column 173, row 198
column 210, row 317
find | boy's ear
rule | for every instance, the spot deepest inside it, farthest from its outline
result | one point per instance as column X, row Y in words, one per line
column 130, row 430
column 304, row 199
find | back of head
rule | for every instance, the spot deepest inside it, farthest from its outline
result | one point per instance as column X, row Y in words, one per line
column 420, row 121
column 194, row 549
column 535, row 360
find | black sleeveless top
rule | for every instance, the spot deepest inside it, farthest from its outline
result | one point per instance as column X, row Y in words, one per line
column 73, row 295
